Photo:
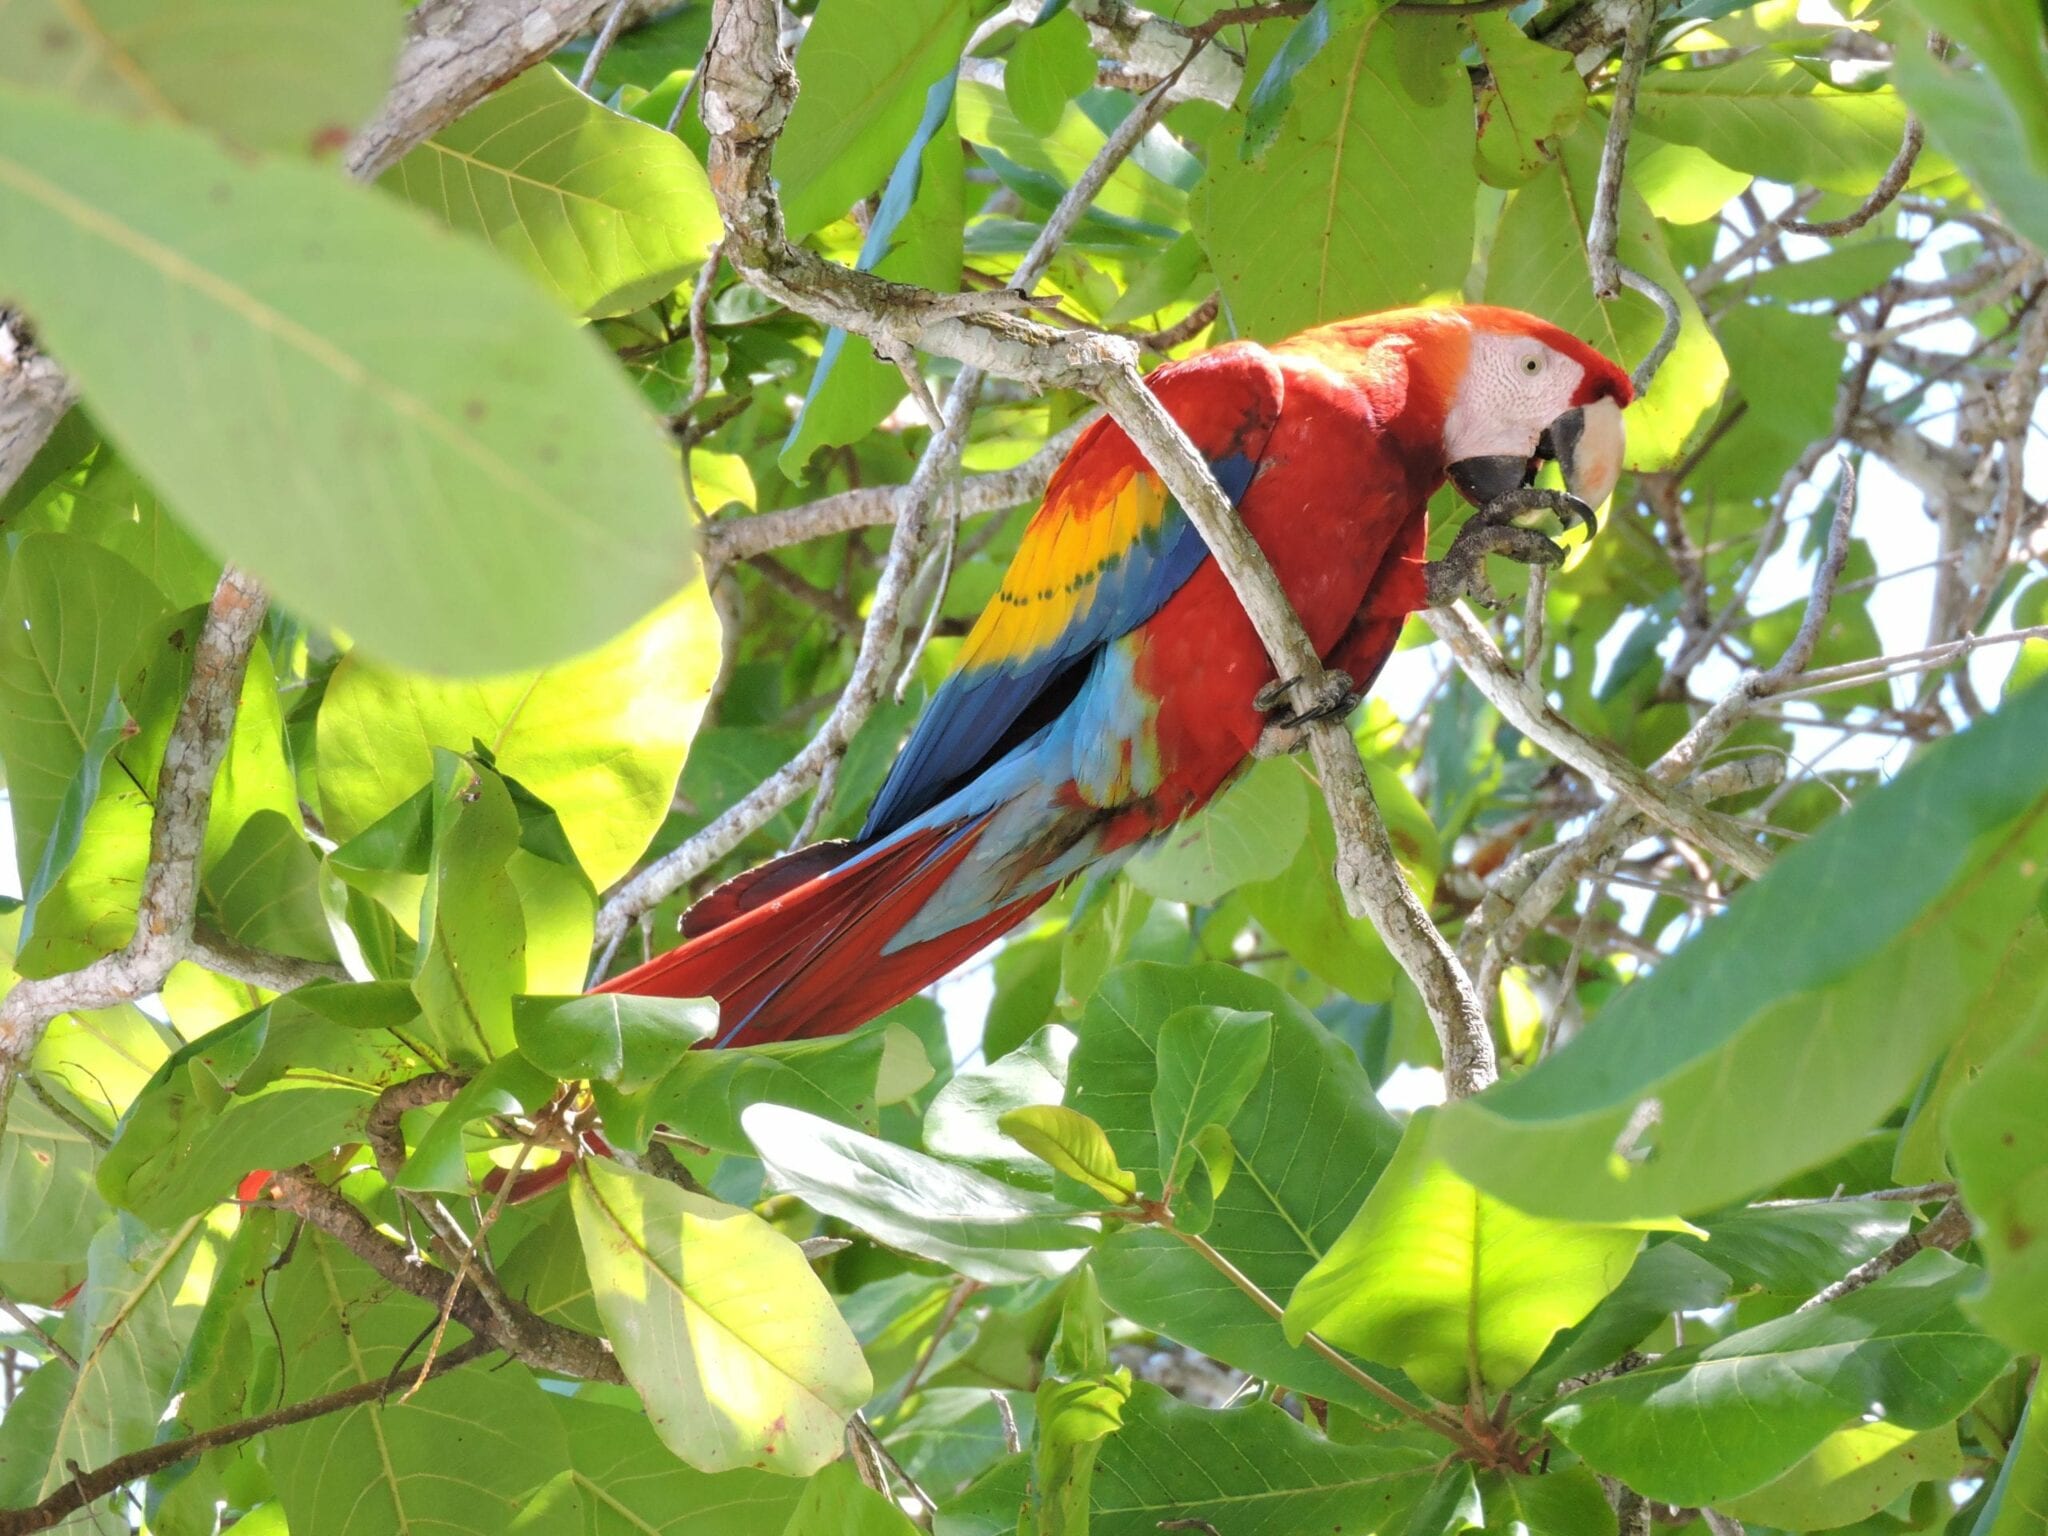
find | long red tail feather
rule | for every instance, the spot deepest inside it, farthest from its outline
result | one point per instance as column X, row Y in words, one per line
column 795, row 958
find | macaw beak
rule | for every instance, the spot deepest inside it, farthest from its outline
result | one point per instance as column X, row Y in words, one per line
column 1586, row 442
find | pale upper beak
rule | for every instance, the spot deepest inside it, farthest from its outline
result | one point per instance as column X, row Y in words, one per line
column 1586, row 442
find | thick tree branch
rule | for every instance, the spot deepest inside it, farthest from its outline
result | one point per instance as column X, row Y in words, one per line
column 184, row 797
column 529, row 1337
column 85, row 1487
column 34, row 395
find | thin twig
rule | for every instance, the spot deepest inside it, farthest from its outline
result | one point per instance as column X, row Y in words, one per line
column 85, row 1487
column 1949, row 1229
column 20, row 1315
column 603, row 45
column 1882, row 196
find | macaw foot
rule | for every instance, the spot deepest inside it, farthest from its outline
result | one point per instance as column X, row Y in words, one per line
column 1334, row 698
column 1492, row 530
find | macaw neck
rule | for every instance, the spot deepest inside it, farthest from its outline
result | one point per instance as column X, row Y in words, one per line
column 1408, row 374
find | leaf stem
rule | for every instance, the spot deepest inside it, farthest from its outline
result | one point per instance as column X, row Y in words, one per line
column 1435, row 1422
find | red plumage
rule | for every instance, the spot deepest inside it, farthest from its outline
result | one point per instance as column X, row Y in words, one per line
column 1108, row 690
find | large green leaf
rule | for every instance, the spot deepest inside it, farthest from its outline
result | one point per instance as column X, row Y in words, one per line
column 1538, row 262
column 719, row 1323
column 1209, row 1061
column 600, row 738
column 862, row 72
column 836, row 1502
column 1990, row 124
column 1998, row 1141
column 624, row 1040
column 264, row 891
column 275, row 1088
column 1254, row 1467
column 1851, row 1474
column 1310, row 1140
column 1305, row 234
column 1666, row 1279
column 1532, row 96
column 1249, row 833
column 472, row 929
column 49, row 1208
column 985, row 1229
column 1050, row 64
column 1302, row 910
column 2019, row 1499
column 1794, row 1020
column 1274, row 94
column 303, row 76
column 126, row 1332
column 70, row 616
column 1460, row 1291
column 607, row 211
column 1566, row 1502
column 960, row 1122
column 469, row 484
column 1702, row 1425
column 1797, row 1250
column 465, row 1455
column 633, row 1485
column 1770, row 115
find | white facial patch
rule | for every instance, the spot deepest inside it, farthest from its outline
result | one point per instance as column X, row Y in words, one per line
column 1514, row 387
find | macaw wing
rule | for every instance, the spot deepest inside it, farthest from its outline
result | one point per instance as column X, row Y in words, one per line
column 1105, row 550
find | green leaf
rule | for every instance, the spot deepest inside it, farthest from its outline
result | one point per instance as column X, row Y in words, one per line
column 704, row 1093
column 70, row 616
column 127, row 1332
column 1460, row 1291
column 719, row 1323
column 606, row 211
column 1769, row 115
column 837, row 1503
column 633, row 1485
column 1301, row 236
column 1074, row 1418
column 1564, row 1502
column 1797, row 1250
column 1251, row 832
column 303, row 76
column 1700, row 1426
column 538, row 512
column 101, row 1058
column 1074, row 1145
column 1998, row 1143
column 1107, row 917
column 2019, row 1499
column 49, row 1207
column 1210, row 1059
column 988, row 1231
column 265, row 890
column 1303, row 911
column 862, row 72
column 1307, row 38
column 1851, row 1474
column 1538, row 263
column 600, row 738
column 1667, row 1278
column 472, row 932
column 274, row 1088
column 1532, row 96
column 385, row 1465
column 1793, row 1022
column 1988, row 123
column 511, row 1085
column 1310, row 1140
column 626, row 1041
column 1172, row 1461
column 1049, row 65
column 960, row 1123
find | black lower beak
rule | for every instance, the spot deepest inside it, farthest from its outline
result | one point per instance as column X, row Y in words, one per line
column 1485, row 480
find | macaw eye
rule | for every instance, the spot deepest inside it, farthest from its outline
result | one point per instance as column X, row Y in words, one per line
column 1532, row 364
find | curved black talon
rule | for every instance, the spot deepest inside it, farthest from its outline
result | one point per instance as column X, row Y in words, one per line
column 1336, row 699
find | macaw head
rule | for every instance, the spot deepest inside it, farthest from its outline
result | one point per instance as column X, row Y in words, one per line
column 1529, row 392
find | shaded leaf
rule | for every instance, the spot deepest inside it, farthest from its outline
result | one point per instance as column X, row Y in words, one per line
column 1703, row 1425
column 1251, row 832
column 986, row 1230
column 961, row 1121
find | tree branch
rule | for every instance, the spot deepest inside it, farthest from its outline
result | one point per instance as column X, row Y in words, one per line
column 1949, row 1229
column 528, row 1337
column 85, row 1487
column 184, row 797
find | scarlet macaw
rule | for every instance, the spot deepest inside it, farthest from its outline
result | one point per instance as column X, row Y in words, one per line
column 1109, row 689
